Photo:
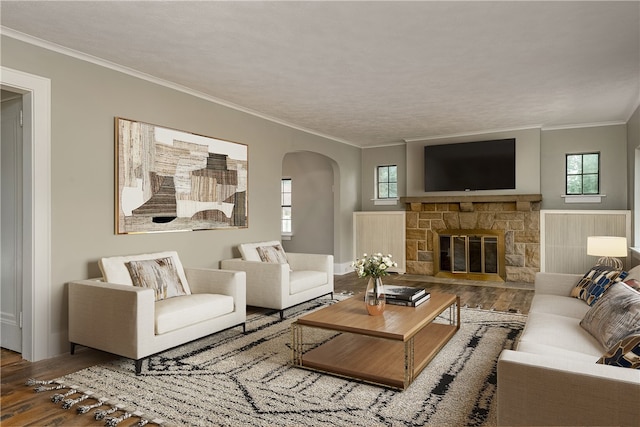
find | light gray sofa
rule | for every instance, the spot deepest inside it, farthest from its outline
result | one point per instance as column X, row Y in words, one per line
column 112, row 315
column 552, row 377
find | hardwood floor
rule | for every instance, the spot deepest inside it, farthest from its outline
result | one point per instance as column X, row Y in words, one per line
column 21, row 406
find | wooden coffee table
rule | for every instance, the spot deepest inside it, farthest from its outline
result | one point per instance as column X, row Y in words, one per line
column 390, row 350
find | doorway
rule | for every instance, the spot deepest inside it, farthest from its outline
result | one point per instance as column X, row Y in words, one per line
column 11, row 224
column 35, row 92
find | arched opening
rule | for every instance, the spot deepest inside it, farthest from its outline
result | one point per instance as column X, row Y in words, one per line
column 313, row 179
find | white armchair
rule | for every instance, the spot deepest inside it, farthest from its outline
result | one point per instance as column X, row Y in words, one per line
column 114, row 316
column 281, row 285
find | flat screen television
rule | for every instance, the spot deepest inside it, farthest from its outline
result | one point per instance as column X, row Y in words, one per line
column 470, row 166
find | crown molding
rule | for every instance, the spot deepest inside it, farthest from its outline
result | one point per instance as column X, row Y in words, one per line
column 152, row 79
column 463, row 134
column 585, row 125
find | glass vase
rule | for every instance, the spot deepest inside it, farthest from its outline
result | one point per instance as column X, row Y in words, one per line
column 374, row 298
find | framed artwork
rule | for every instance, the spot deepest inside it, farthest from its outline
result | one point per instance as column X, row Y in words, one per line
column 170, row 180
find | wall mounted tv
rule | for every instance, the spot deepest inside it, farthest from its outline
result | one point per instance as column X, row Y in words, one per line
column 470, row 166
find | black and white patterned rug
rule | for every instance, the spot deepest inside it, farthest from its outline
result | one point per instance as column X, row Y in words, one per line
column 230, row 379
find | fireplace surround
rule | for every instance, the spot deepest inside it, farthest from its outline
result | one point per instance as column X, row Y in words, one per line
column 513, row 219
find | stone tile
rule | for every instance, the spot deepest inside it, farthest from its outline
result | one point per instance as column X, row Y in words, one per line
column 411, row 219
column 416, row 234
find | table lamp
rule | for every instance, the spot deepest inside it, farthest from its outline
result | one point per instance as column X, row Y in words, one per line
column 608, row 248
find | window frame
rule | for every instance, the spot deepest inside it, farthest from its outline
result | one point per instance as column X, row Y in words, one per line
column 582, row 174
column 283, row 205
column 387, row 182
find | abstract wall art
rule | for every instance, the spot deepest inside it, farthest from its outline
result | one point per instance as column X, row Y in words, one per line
column 170, row 180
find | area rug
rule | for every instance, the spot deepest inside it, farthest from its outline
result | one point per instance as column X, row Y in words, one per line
column 231, row 379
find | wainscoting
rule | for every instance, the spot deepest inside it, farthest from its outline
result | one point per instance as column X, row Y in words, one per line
column 564, row 237
column 380, row 231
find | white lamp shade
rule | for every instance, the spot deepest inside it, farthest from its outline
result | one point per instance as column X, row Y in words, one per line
column 607, row 246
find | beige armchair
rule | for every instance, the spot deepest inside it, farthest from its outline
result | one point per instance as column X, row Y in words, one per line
column 297, row 278
column 113, row 315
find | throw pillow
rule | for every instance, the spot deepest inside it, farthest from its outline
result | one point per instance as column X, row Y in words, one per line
column 634, row 273
column 615, row 316
column 159, row 274
column 625, row 354
column 249, row 251
column 596, row 282
column 274, row 253
column 633, row 283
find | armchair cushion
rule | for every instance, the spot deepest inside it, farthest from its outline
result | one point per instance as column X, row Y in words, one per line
column 159, row 274
column 249, row 251
column 176, row 313
column 303, row 280
column 114, row 269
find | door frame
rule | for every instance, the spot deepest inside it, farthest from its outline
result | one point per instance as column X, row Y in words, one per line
column 36, row 293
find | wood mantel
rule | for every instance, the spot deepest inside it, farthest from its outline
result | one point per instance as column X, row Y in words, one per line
column 522, row 201
column 502, row 198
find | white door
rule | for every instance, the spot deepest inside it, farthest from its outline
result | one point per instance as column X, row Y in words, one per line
column 11, row 222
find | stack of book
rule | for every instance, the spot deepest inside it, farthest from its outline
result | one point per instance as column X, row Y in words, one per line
column 405, row 295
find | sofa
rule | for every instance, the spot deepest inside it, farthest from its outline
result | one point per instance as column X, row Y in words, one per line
column 559, row 372
column 138, row 312
column 279, row 280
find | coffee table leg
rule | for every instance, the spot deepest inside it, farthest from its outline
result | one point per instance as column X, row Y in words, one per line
column 296, row 344
column 408, row 362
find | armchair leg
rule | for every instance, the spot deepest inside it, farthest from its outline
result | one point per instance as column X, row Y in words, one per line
column 244, row 328
column 281, row 315
column 72, row 348
column 138, row 364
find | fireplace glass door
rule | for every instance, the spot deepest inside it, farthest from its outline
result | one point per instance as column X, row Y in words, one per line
column 469, row 254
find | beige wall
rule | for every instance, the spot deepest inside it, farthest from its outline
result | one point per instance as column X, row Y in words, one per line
column 610, row 141
column 381, row 156
column 540, row 164
column 527, row 162
column 85, row 98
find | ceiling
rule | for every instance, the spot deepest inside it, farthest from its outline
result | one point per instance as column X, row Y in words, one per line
column 369, row 73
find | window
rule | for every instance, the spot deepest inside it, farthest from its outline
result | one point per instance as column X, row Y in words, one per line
column 387, row 182
column 285, row 202
column 583, row 173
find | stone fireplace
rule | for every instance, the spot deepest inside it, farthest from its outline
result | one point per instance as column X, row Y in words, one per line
column 474, row 237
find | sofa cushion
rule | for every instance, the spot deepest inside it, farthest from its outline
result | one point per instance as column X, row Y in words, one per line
column 560, row 332
column 595, row 282
column 561, row 306
column 557, row 352
column 615, row 316
column 625, row 354
column 159, row 274
column 249, row 251
column 272, row 253
column 114, row 270
column 303, row 280
column 177, row 313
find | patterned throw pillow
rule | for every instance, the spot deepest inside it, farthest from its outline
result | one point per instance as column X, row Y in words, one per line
column 625, row 354
column 615, row 316
column 273, row 253
column 159, row 274
column 633, row 284
column 595, row 282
